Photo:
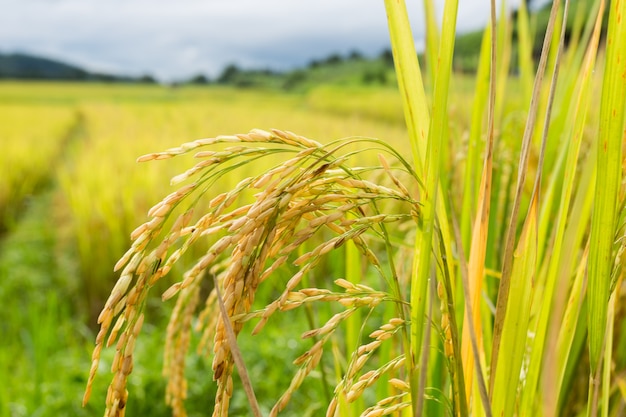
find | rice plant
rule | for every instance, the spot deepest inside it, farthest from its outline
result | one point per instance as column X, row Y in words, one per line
column 509, row 306
column 23, row 128
column 108, row 205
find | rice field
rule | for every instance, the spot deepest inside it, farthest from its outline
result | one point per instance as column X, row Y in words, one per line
column 72, row 192
column 22, row 129
column 451, row 247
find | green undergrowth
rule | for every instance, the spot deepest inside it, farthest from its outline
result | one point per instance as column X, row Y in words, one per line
column 47, row 343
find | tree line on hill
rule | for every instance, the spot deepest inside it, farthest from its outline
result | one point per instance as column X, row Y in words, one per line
column 371, row 70
column 29, row 67
column 353, row 67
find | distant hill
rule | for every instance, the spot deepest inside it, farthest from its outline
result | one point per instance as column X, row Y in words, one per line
column 30, row 67
column 352, row 68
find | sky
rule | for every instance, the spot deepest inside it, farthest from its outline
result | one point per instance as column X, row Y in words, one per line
column 174, row 40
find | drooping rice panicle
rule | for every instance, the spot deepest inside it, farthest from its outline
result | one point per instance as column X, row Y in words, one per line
column 310, row 194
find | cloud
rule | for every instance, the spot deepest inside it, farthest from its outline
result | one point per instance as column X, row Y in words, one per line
column 176, row 39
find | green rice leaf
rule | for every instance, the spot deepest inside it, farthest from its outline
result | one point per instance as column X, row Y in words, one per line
column 609, row 160
column 515, row 328
column 437, row 132
column 505, row 281
column 550, row 317
column 414, row 103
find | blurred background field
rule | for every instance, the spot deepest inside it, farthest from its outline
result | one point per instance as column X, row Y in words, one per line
column 74, row 192
column 71, row 193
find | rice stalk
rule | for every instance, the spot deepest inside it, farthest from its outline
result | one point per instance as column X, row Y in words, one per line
column 275, row 227
column 610, row 136
column 311, row 192
column 432, row 39
column 505, row 281
column 554, row 279
column 426, row 157
column 475, row 269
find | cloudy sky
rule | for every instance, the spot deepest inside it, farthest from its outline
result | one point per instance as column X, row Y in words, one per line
column 177, row 39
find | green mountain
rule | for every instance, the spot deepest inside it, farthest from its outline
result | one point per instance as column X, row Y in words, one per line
column 353, row 68
column 30, row 67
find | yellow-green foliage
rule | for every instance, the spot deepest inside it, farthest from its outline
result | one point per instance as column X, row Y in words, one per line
column 106, row 191
column 382, row 104
column 31, row 137
column 525, row 236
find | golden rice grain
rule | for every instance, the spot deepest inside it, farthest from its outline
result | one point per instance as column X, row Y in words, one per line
column 307, row 194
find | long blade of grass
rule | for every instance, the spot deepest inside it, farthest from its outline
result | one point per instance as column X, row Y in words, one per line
column 525, row 51
column 505, row 281
column 414, row 103
column 515, row 329
column 410, row 83
column 517, row 317
column 549, row 321
column 478, row 247
column 475, row 147
column 501, row 200
column 517, row 314
column 482, row 386
column 603, row 222
column 565, row 345
column 432, row 39
column 608, row 353
column 355, row 321
column 425, row 353
column 437, row 131
column 451, row 329
column 417, row 119
column 419, row 125
column 518, row 309
column 504, row 46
